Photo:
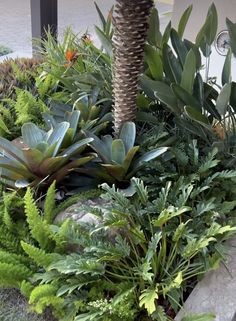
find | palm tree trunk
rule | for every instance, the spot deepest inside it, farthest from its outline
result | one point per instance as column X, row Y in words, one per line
column 130, row 32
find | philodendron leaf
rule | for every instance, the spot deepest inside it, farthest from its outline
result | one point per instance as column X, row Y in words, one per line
column 148, row 299
column 183, row 21
column 199, row 317
column 128, row 135
column 223, row 99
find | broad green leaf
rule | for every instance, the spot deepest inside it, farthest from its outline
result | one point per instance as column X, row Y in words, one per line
column 232, row 34
column 73, row 119
column 154, row 34
column 161, row 91
column 129, row 157
column 190, row 45
column 14, row 167
column 185, row 97
column 51, row 165
column 208, row 31
column 76, row 147
column 99, row 146
column 153, row 154
column 198, row 90
column 172, row 67
column 105, row 40
column 184, row 20
column 174, row 284
column 196, row 115
column 12, row 151
column 212, row 28
column 166, row 34
column 118, row 151
column 57, row 136
column 169, row 213
column 226, row 73
column 32, row 135
column 189, row 72
column 178, row 46
column 64, row 170
column 223, row 99
column 116, row 171
column 148, row 300
column 128, row 135
column 199, row 317
column 34, row 158
column 154, row 61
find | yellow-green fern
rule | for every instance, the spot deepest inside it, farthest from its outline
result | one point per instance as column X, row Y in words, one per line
column 38, row 227
column 40, row 257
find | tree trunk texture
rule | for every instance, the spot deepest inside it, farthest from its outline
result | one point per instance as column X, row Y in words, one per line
column 130, row 33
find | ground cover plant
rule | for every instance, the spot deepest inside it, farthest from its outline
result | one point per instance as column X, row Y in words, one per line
column 155, row 153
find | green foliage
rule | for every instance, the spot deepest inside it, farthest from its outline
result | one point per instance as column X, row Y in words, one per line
column 28, row 108
column 48, row 156
column 118, row 161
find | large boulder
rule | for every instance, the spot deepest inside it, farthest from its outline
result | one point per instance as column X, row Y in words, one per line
column 216, row 292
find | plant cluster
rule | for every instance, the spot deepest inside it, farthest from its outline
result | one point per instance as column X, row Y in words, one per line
column 169, row 178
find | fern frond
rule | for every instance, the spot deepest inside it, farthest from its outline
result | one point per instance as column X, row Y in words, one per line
column 39, row 229
column 40, row 257
column 11, row 275
column 26, row 288
column 49, row 205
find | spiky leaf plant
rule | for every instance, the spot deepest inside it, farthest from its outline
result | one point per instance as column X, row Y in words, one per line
column 131, row 25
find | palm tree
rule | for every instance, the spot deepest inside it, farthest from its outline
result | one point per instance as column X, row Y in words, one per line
column 130, row 32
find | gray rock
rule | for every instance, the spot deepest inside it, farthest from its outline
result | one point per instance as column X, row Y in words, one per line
column 78, row 212
column 216, row 292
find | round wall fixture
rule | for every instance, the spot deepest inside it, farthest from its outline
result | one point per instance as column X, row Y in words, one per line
column 222, row 42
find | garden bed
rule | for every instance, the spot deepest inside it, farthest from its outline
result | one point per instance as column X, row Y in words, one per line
column 121, row 193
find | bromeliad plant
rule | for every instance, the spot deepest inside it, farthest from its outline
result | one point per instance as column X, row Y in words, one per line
column 118, row 160
column 45, row 156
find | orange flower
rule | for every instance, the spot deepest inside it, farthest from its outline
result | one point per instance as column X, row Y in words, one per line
column 71, row 57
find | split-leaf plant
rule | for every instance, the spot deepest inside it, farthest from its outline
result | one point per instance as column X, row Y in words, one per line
column 142, row 254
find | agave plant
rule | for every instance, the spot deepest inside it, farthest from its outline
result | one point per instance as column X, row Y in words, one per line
column 118, row 157
column 45, row 156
